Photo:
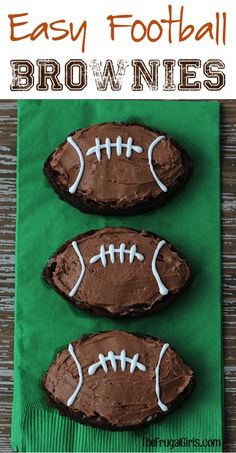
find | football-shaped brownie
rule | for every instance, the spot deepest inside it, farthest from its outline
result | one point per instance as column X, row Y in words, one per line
column 118, row 380
column 117, row 168
column 118, row 272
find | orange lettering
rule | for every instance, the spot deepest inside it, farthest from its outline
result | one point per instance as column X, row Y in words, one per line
column 206, row 28
column 83, row 29
column 65, row 32
column 138, row 22
column 14, row 24
column 39, row 30
column 113, row 25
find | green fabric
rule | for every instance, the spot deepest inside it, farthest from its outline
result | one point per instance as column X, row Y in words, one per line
column 45, row 323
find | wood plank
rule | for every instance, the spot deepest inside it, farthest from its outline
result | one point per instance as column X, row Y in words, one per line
column 8, row 122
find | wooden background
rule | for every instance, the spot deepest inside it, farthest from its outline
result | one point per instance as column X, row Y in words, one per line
column 8, row 124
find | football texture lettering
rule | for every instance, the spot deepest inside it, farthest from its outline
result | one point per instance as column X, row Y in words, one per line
column 118, row 272
column 117, row 168
column 117, row 380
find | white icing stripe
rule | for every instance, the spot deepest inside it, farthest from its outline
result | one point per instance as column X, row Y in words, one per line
column 75, row 289
column 111, row 357
column 113, row 360
column 134, row 363
column 162, row 406
column 74, row 186
column 150, row 151
column 163, row 290
column 97, row 150
column 103, row 362
column 121, row 251
column 73, row 397
column 123, row 360
column 103, row 255
column 129, row 148
column 133, row 251
column 119, row 146
column 112, row 253
column 107, row 146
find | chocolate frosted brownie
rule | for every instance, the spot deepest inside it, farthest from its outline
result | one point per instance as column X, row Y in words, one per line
column 117, row 168
column 117, row 380
column 118, row 272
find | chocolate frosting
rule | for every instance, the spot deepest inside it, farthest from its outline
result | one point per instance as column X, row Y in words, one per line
column 119, row 181
column 120, row 398
column 119, row 288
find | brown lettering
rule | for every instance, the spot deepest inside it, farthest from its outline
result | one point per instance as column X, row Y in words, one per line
column 109, row 75
column 81, row 66
column 150, row 77
column 169, row 75
column 48, row 70
column 22, row 75
column 211, row 70
column 186, row 74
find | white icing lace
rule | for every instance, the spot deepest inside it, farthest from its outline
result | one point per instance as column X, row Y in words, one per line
column 111, row 357
column 76, row 147
column 162, row 406
column 107, row 146
column 75, row 289
column 80, row 373
column 150, row 153
column 162, row 288
column 124, row 360
column 122, row 250
column 119, row 145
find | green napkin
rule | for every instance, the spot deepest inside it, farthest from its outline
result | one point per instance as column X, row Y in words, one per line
column 45, row 323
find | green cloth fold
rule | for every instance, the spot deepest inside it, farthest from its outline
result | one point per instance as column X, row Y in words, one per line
column 45, row 323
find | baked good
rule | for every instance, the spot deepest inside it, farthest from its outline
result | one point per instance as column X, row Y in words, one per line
column 118, row 380
column 118, row 272
column 117, row 168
